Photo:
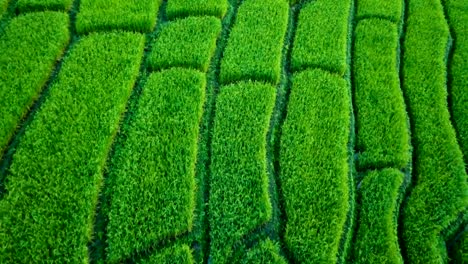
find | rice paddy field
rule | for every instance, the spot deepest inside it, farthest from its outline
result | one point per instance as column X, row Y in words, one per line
column 234, row 131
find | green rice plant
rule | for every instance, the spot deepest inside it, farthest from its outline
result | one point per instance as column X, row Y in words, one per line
column 43, row 5
column 104, row 15
column 56, row 173
column 321, row 38
column 440, row 193
column 458, row 16
column 391, row 10
column 239, row 199
column 152, row 180
column 315, row 172
column 255, row 43
column 381, row 119
column 183, row 8
column 177, row 254
column 30, row 47
column 189, row 42
column 376, row 237
column 265, row 252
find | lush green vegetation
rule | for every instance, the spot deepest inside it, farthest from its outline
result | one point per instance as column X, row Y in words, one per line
column 3, row 7
column 30, row 46
column 315, row 173
column 239, row 200
column 177, row 254
column 42, row 5
column 55, row 176
column 254, row 47
column 458, row 17
column 381, row 120
column 391, row 10
column 265, row 252
column 189, row 42
column 376, row 237
column 133, row 15
column 182, row 8
column 441, row 191
column 322, row 36
column 461, row 250
column 154, row 170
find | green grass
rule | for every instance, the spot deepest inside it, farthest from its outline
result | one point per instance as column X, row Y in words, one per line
column 321, row 38
column 183, row 8
column 30, row 47
column 440, row 193
column 177, row 254
column 42, row 5
column 315, row 173
column 189, row 42
column 458, row 16
column 381, row 120
column 265, row 252
column 255, row 43
column 104, row 15
column 239, row 200
column 376, row 237
column 154, row 170
column 56, row 172
column 391, row 10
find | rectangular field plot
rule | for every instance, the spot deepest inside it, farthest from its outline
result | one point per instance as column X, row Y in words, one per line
column 56, row 173
column 105, row 15
column 389, row 9
column 381, row 119
column 183, row 8
column 239, row 200
column 265, row 251
column 376, row 237
column 321, row 38
column 154, row 169
column 440, row 191
column 42, row 5
column 255, row 43
column 30, row 47
column 177, row 254
column 315, row 173
column 189, row 42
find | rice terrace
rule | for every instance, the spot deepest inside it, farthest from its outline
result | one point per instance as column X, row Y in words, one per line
column 234, row 131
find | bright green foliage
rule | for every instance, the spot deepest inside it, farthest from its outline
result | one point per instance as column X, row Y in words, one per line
column 56, row 172
column 3, row 7
column 265, row 252
column 458, row 16
column 152, row 182
column 29, row 48
column 382, row 127
column 102, row 15
column 189, row 42
column 321, row 38
column 42, row 5
column 441, row 191
column 182, row 8
column 376, row 238
column 315, row 173
column 177, row 254
column 388, row 9
column 239, row 200
column 256, row 41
